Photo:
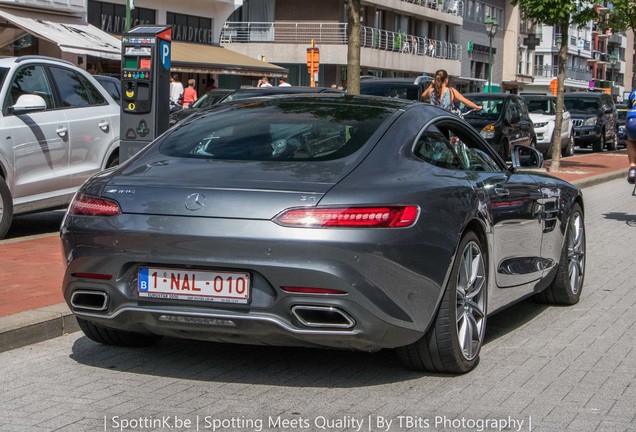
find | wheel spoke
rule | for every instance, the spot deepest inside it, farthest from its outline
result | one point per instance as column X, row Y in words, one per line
column 476, row 309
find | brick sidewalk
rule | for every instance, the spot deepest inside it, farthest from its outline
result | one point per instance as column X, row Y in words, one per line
column 31, row 275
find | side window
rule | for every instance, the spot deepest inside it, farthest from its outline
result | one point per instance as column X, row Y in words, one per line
column 30, row 80
column 435, row 148
column 523, row 109
column 73, row 92
column 95, row 96
column 448, row 145
column 512, row 111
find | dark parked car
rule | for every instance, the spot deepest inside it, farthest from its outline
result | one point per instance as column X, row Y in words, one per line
column 503, row 121
column 621, row 111
column 321, row 220
column 217, row 96
column 595, row 120
column 111, row 84
column 401, row 88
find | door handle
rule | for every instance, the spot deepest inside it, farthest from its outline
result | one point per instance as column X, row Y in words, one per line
column 61, row 131
column 104, row 125
column 501, row 191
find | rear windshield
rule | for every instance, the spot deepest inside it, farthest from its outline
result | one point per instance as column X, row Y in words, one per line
column 280, row 130
column 542, row 106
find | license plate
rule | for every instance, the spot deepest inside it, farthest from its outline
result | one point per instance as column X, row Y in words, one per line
column 198, row 285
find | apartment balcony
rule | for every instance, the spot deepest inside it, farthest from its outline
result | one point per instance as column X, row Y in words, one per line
column 615, row 39
column 325, row 33
column 551, row 72
column 452, row 7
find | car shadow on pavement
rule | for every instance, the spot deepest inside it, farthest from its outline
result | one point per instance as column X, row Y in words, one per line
column 512, row 318
column 275, row 366
column 629, row 219
column 248, row 364
column 35, row 224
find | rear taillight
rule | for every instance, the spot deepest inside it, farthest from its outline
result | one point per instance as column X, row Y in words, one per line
column 349, row 217
column 85, row 205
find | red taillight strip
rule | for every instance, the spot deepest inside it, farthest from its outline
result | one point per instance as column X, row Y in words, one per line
column 349, row 217
column 308, row 290
column 84, row 205
column 98, row 276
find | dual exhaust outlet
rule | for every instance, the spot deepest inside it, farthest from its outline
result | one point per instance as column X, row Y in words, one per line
column 322, row 317
column 309, row 316
column 89, row 300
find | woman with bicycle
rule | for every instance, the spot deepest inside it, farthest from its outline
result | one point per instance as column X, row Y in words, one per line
column 440, row 94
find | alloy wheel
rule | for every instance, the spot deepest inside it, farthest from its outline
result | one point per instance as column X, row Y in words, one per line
column 576, row 253
column 471, row 316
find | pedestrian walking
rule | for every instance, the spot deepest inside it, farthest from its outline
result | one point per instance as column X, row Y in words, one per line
column 283, row 83
column 176, row 89
column 263, row 82
column 190, row 94
column 440, row 94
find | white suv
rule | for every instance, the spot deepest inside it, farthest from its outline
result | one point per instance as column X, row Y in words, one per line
column 542, row 109
column 58, row 126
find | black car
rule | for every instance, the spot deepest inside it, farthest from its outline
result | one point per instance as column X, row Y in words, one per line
column 111, row 84
column 503, row 121
column 401, row 88
column 595, row 120
column 217, row 96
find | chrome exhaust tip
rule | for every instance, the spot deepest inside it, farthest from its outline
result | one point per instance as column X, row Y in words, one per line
column 89, row 300
column 322, row 317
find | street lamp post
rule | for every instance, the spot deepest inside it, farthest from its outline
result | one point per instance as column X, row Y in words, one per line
column 491, row 29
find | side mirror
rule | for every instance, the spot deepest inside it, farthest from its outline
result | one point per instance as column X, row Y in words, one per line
column 28, row 103
column 525, row 157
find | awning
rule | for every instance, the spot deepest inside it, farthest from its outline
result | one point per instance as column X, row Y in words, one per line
column 70, row 34
column 196, row 58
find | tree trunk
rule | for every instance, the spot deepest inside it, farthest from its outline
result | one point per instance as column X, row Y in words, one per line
column 353, row 46
column 555, row 165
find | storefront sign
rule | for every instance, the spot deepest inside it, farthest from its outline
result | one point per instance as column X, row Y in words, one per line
column 191, row 34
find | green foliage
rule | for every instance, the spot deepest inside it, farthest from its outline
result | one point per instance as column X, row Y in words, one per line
column 623, row 16
column 557, row 12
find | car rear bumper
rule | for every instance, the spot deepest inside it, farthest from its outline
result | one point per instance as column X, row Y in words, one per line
column 389, row 302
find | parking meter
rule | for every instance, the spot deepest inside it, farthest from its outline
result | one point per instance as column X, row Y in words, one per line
column 145, row 81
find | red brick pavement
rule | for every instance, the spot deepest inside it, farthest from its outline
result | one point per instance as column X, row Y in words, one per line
column 31, row 270
column 31, row 273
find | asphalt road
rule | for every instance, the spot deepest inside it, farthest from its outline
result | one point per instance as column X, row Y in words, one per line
column 542, row 369
column 35, row 223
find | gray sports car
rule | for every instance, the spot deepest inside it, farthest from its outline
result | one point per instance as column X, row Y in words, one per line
column 321, row 220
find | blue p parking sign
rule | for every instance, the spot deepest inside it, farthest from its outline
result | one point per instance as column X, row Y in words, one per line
column 164, row 52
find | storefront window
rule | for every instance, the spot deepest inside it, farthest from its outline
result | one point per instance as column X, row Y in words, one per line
column 188, row 28
column 111, row 18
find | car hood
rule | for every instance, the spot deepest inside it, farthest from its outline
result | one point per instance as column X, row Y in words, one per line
column 541, row 118
column 212, row 188
column 478, row 122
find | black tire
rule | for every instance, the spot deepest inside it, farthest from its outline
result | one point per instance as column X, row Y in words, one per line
column 6, row 208
column 113, row 161
column 108, row 336
column 613, row 144
column 600, row 144
column 442, row 349
column 503, row 151
column 568, row 283
column 568, row 150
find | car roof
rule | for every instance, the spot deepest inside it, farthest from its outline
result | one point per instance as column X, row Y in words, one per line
column 584, row 94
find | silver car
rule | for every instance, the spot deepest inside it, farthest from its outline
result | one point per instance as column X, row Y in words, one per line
column 59, row 127
column 321, row 220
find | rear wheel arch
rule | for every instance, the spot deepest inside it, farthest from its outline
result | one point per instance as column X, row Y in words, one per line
column 113, row 158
